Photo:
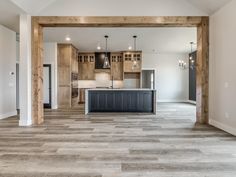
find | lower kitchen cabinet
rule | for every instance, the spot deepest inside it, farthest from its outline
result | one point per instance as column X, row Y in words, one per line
column 121, row 101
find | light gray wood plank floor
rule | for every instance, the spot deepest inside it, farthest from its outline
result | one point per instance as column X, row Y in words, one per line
column 70, row 144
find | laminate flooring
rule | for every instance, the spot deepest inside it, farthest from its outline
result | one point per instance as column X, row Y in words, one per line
column 71, row 144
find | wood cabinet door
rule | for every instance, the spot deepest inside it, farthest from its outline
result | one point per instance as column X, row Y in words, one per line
column 90, row 71
column 86, row 66
column 64, row 97
column 64, row 55
column 64, row 76
column 117, row 66
column 64, row 64
column 128, row 66
column 129, row 58
column 117, row 71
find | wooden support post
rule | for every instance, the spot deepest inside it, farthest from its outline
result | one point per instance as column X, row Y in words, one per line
column 202, row 70
column 37, row 72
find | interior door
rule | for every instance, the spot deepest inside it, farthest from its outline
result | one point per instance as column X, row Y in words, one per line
column 17, row 87
column 47, row 86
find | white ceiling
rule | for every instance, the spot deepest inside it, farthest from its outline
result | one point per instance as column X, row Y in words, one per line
column 33, row 6
column 9, row 14
column 209, row 6
column 161, row 40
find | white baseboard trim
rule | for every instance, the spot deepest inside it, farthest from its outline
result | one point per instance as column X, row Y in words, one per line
column 192, row 102
column 55, row 107
column 24, row 124
column 222, row 126
column 7, row 115
column 172, row 101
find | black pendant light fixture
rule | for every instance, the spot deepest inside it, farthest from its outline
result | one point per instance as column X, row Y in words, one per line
column 191, row 59
column 106, row 63
column 135, row 64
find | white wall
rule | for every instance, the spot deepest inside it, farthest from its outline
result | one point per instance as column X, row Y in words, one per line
column 171, row 81
column 25, row 71
column 50, row 57
column 222, row 68
column 17, row 75
column 7, row 79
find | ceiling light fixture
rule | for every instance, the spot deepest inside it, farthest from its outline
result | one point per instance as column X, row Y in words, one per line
column 192, row 65
column 182, row 65
column 135, row 64
column 106, row 63
column 99, row 47
column 130, row 47
column 68, row 38
column 191, row 58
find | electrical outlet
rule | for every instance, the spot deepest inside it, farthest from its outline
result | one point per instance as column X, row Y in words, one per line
column 226, row 85
column 10, row 84
column 226, row 115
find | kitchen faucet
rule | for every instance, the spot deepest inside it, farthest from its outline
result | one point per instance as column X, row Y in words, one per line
column 112, row 82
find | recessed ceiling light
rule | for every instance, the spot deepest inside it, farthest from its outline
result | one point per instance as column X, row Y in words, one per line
column 68, row 39
column 99, row 47
column 130, row 47
column 154, row 50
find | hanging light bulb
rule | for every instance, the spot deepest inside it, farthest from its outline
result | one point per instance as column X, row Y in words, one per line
column 191, row 57
column 106, row 63
column 191, row 60
column 182, row 64
column 135, row 63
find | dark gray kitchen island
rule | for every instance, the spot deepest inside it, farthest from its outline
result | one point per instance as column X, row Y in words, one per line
column 120, row 100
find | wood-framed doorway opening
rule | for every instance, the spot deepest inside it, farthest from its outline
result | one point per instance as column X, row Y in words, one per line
column 202, row 64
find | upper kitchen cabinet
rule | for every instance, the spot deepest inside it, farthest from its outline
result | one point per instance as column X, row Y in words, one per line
column 117, row 66
column 86, row 66
column 67, row 63
column 129, row 59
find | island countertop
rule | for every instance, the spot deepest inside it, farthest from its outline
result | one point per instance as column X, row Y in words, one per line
column 120, row 100
column 120, row 89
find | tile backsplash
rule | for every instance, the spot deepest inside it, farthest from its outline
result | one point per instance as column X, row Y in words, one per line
column 101, row 80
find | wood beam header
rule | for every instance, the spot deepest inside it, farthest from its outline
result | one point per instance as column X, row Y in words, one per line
column 118, row 21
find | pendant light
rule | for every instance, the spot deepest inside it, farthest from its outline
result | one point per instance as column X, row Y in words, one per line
column 106, row 63
column 135, row 64
column 183, row 64
column 191, row 59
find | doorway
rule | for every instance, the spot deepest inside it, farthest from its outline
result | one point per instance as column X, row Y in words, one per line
column 202, row 24
column 47, row 86
column 192, row 78
column 17, row 88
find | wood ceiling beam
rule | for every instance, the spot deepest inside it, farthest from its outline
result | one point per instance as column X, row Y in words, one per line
column 169, row 21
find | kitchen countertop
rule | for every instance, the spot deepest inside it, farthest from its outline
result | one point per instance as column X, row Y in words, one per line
column 121, row 89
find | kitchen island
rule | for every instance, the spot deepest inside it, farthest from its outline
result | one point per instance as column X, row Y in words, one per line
column 120, row 100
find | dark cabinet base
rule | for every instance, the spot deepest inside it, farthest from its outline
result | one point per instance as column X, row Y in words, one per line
column 142, row 101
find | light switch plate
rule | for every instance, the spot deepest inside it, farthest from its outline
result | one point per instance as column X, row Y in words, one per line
column 226, row 85
column 226, row 115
